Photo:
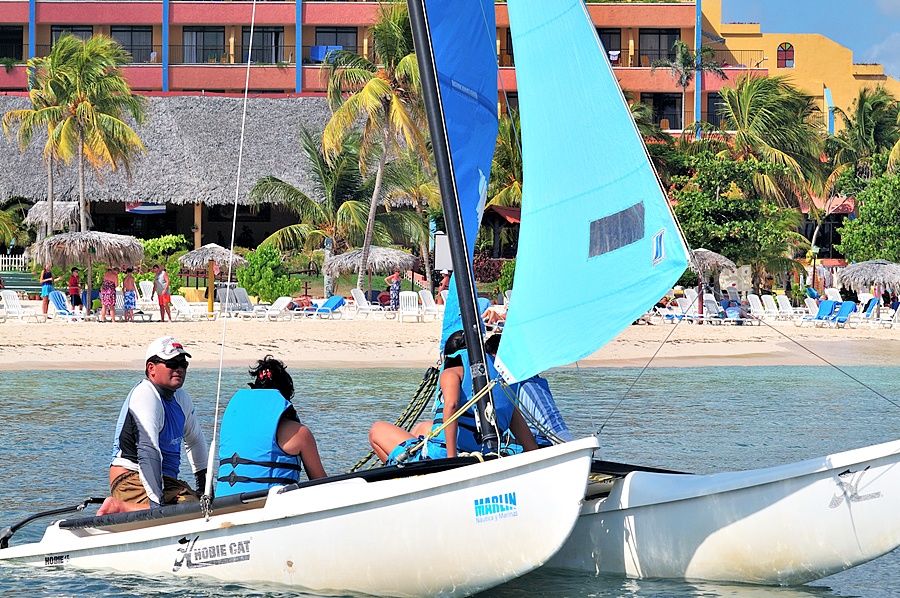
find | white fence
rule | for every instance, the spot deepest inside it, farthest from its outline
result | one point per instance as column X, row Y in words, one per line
column 9, row 263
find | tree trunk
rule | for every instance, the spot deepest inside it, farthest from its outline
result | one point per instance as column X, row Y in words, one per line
column 50, row 228
column 812, row 244
column 426, row 253
column 328, row 280
column 373, row 209
column 82, row 203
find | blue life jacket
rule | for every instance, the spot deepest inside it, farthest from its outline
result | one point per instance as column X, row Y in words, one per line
column 249, row 456
column 466, row 440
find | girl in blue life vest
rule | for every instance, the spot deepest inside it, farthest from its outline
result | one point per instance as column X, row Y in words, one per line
column 263, row 443
column 390, row 441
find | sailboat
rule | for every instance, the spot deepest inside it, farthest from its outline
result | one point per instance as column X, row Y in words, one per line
column 493, row 519
column 595, row 219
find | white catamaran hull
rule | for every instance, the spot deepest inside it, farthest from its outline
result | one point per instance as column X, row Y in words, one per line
column 781, row 525
column 449, row 533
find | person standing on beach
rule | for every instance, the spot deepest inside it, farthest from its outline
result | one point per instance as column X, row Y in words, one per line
column 108, row 295
column 75, row 290
column 161, row 291
column 129, row 294
column 443, row 286
column 46, row 286
column 155, row 420
column 393, row 282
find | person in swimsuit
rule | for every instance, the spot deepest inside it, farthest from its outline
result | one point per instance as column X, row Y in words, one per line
column 46, row 286
column 394, row 288
column 129, row 294
column 108, row 295
column 161, row 292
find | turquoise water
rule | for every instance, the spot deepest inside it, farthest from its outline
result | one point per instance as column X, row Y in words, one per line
column 56, row 431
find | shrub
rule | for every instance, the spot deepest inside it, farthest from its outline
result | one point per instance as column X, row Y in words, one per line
column 265, row 276
column 507, row 273
column 487, row 269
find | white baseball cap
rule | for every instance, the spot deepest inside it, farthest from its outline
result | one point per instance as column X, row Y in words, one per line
column 165, row 347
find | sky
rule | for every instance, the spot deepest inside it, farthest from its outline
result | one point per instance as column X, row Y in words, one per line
column 871, row 28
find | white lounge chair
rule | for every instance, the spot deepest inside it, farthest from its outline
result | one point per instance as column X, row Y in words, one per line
column 833, row 294
column 146, row 301
column 812, row 307
column 786, row 311
column 409, row 306
column 756, row 307
column 182, row 310
column 361, row 305
column 429, row 307
column 278, row 310
column 14, row 308
column 770, row 307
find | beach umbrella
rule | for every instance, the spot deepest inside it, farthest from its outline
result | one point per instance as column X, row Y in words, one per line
column 881, row 274
column 381, row 259
column 67, row 249
column 703, row 261
column 208, row 258
column 65, row 215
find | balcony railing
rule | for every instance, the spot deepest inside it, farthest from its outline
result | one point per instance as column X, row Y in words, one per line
column 13, row 51
column 269, row 55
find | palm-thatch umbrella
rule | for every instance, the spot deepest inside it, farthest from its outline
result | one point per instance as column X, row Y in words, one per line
column 65, row 215
column 703, row 261
column 381, row 259
column 68, row 249
column 208, row 258
column 881, row 274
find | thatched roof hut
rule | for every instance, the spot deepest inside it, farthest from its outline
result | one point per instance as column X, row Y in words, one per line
column 192, row 152
column 71, row 249
column 198, row 259
column 704, row 260
column 862, row 275
column 381, row 259
column 65, row 215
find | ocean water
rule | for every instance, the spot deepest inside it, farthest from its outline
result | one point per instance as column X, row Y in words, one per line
column 56, row 429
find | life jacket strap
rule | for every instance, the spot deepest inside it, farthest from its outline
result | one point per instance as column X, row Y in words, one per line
column 235, row 460
column 233, row 479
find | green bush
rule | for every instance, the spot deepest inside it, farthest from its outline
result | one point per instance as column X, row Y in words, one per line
column 507, row 273
column 265, row 276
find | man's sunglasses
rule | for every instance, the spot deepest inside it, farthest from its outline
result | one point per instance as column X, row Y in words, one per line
column 174, row 363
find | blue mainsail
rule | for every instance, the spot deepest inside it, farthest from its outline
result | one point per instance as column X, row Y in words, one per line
column 598, row 244
column 463, row 35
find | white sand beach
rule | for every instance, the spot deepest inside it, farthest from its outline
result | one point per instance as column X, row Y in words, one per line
column 376, row 342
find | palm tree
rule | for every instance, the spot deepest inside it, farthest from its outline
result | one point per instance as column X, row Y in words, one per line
column 42, row 115
column 385, row 94
column 12, row 213
column 505, row 188
column 774, row 122
column 92, row 98
column 409, row 183
column 684, row 65
column 871, row 127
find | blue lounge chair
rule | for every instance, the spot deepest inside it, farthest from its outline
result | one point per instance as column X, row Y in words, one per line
column 826, row 308
column 329, row 309
column 63, row 311
column 867, row 315
column 839, row 318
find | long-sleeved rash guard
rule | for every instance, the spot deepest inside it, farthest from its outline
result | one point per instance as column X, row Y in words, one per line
column 152, row 424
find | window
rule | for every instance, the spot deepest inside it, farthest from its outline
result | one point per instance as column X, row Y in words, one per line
column 337, row 36
column 507, row 58
column 713, row 102
column 612, row 43
column 666, row 109
column 203, row 44
column 656, row 44
column 136, row 40
column 11, row 41
column 267, row 44
column 785, row 56
column 79, row 31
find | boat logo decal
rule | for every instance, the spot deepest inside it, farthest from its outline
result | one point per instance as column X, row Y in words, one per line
column 498, row 506
column 659, row 248
column 53, row 560
column 849, row 490
column 193, row 556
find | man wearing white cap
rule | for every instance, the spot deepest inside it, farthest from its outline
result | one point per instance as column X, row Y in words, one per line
column 155, row 419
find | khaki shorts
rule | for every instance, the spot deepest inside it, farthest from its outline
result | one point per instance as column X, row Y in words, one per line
column 128, row 487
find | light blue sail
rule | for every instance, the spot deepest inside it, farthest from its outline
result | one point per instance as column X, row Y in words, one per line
column 598, row 244
column 463, row 36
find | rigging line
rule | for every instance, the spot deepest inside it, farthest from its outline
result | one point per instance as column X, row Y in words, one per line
column 213, row 445
column 834, row 365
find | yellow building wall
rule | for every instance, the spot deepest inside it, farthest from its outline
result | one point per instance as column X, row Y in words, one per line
column 819, row 61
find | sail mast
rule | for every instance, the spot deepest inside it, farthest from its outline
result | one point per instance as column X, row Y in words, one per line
column 462, row 270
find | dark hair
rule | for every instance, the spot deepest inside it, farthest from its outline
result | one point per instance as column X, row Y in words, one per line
column 129, row 270
column 492, row 344
column 75, row 269
column 271, row 373
column 455, row 342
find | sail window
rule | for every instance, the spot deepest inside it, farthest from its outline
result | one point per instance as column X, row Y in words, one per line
column 617, row 230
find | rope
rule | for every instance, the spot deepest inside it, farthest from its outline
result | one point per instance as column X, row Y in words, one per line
column 206, row 499
column 413, row 411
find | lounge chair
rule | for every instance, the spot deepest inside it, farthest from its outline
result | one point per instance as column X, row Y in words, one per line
column 429, row 307
column 826, row 308
column 866, row 316
column 756, row 306
column 889, row 321
column 686, row 307
column 14, row 308
column 786, row 311
column 61, row 310
column 840, row 317
column 235, row 303
column 507, row 296
column 812, row 307
column 361, row 305
column 409, row 306
column 445, row 293
column 733, row 294
column 833, row 294
column 278, row 310
column 182, row 310
column 145, row 299
column 770, row 307
column 330, row 309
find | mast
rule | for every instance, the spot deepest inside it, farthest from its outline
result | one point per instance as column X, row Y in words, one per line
column 462, row 268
